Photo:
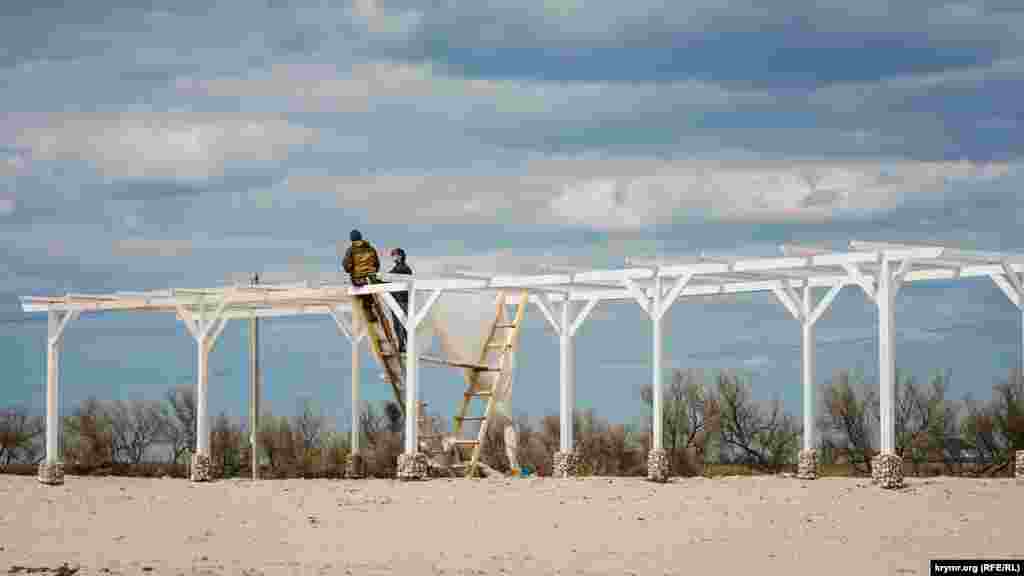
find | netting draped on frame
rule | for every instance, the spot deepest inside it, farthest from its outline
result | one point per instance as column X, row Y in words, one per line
column 461, row 322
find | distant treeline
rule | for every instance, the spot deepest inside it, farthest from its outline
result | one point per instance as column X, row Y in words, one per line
column 711, row 426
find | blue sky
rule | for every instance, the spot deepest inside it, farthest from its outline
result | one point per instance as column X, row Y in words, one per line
column 146, row 145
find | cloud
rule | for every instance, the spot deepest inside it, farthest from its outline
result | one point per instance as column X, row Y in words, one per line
column 623, row 193
column 152, row 247
column 163, row 146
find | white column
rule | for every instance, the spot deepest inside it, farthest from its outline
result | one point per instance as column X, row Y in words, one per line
column 567, row 400
column 52, row 389
column 356, row 408
column 254, row 392
column 807, row 346
column 411, row 375
column 886, row 357
column 659, row 350
column 202, row 415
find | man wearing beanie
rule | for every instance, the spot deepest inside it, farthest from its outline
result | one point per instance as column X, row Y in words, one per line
column 362, row 265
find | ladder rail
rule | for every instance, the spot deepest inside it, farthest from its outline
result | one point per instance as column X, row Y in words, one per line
column 501, row 380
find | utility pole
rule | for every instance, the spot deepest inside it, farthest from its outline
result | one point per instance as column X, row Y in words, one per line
column 254, row 385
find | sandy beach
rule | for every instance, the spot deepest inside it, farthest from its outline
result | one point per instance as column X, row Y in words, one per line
column 732, row 525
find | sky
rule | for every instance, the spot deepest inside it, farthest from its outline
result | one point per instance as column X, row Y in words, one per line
column 152, row 144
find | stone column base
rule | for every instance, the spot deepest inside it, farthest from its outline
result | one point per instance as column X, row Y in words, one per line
column 1018, row 470
column 658, row 468
column 413, row 466
column 202, row 469
column 807, row 465
column 52, row 474
column 355, row 466
column 566, row 464
column 887, row 471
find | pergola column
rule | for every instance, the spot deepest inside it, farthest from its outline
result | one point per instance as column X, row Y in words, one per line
column 887, row 466
column 205, row 331
column 566, row 460
column 51, row 469
column 803, row 309
column 1012, row 284
column 412, row 464
column 355, row 332
column 656, row 306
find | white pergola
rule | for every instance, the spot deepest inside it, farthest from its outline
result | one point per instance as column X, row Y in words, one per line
column 565, row 298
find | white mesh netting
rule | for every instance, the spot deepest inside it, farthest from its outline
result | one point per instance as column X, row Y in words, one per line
column 461, row 323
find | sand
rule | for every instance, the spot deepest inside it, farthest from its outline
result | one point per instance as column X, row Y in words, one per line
column 739, row 525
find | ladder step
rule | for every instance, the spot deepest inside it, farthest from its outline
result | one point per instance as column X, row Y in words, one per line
column 481, row 393
column 471, row 418
column 505, row 325
column 498, row 345
column 466, row 442
column 443, row 362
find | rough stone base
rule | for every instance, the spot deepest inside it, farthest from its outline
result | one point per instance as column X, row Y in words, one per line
column 658, row 468
column 202, row 470
column 566, row 464
column 355, row 466
column 887, row 471
column 413, row 466
column 807, row 465
column 52, row 474
column 1018, row 470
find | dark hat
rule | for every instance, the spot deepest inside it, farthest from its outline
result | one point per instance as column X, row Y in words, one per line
column 398, row 253
column 355, row 235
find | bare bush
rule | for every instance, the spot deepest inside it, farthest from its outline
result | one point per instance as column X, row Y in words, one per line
column 309, row 428
column 996, row 430
column 226, row 440
column 765, row 437
column 278, row 443
column 88, row 438
column 690, row 414
column 179, row 429
column 848, row 414
column 135, row 426
column 18, row 434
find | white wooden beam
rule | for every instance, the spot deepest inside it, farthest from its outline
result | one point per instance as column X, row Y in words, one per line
column 865, row 282
column 342, row 324
column 825, row 302
column 639, row 296
column 897, row 279
column 1015, row 280
column 1012, row 293
column 540, row 301
column 530, row 281
column 768, row 264
column 421, row 314
column 675, row 291
column 391, row 303
column 789, row 302
column 582, row 316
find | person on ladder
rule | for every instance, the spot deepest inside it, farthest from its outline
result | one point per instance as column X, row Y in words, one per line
column 402, row 298
column 362, row 265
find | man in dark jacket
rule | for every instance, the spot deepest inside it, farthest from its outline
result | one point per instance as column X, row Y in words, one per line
column 402, row 298
column 362, row 265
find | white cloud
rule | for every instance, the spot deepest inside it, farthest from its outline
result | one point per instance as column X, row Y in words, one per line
column 620, row 193
column 176, row 146
column 429, row 88
column 152, row 247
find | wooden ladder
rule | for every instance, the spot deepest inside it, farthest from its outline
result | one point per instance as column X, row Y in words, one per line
column 495, row 356
column 384, row 345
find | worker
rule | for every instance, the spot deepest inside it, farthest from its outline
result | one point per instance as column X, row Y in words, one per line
column 362, row 265
column 402, row 297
